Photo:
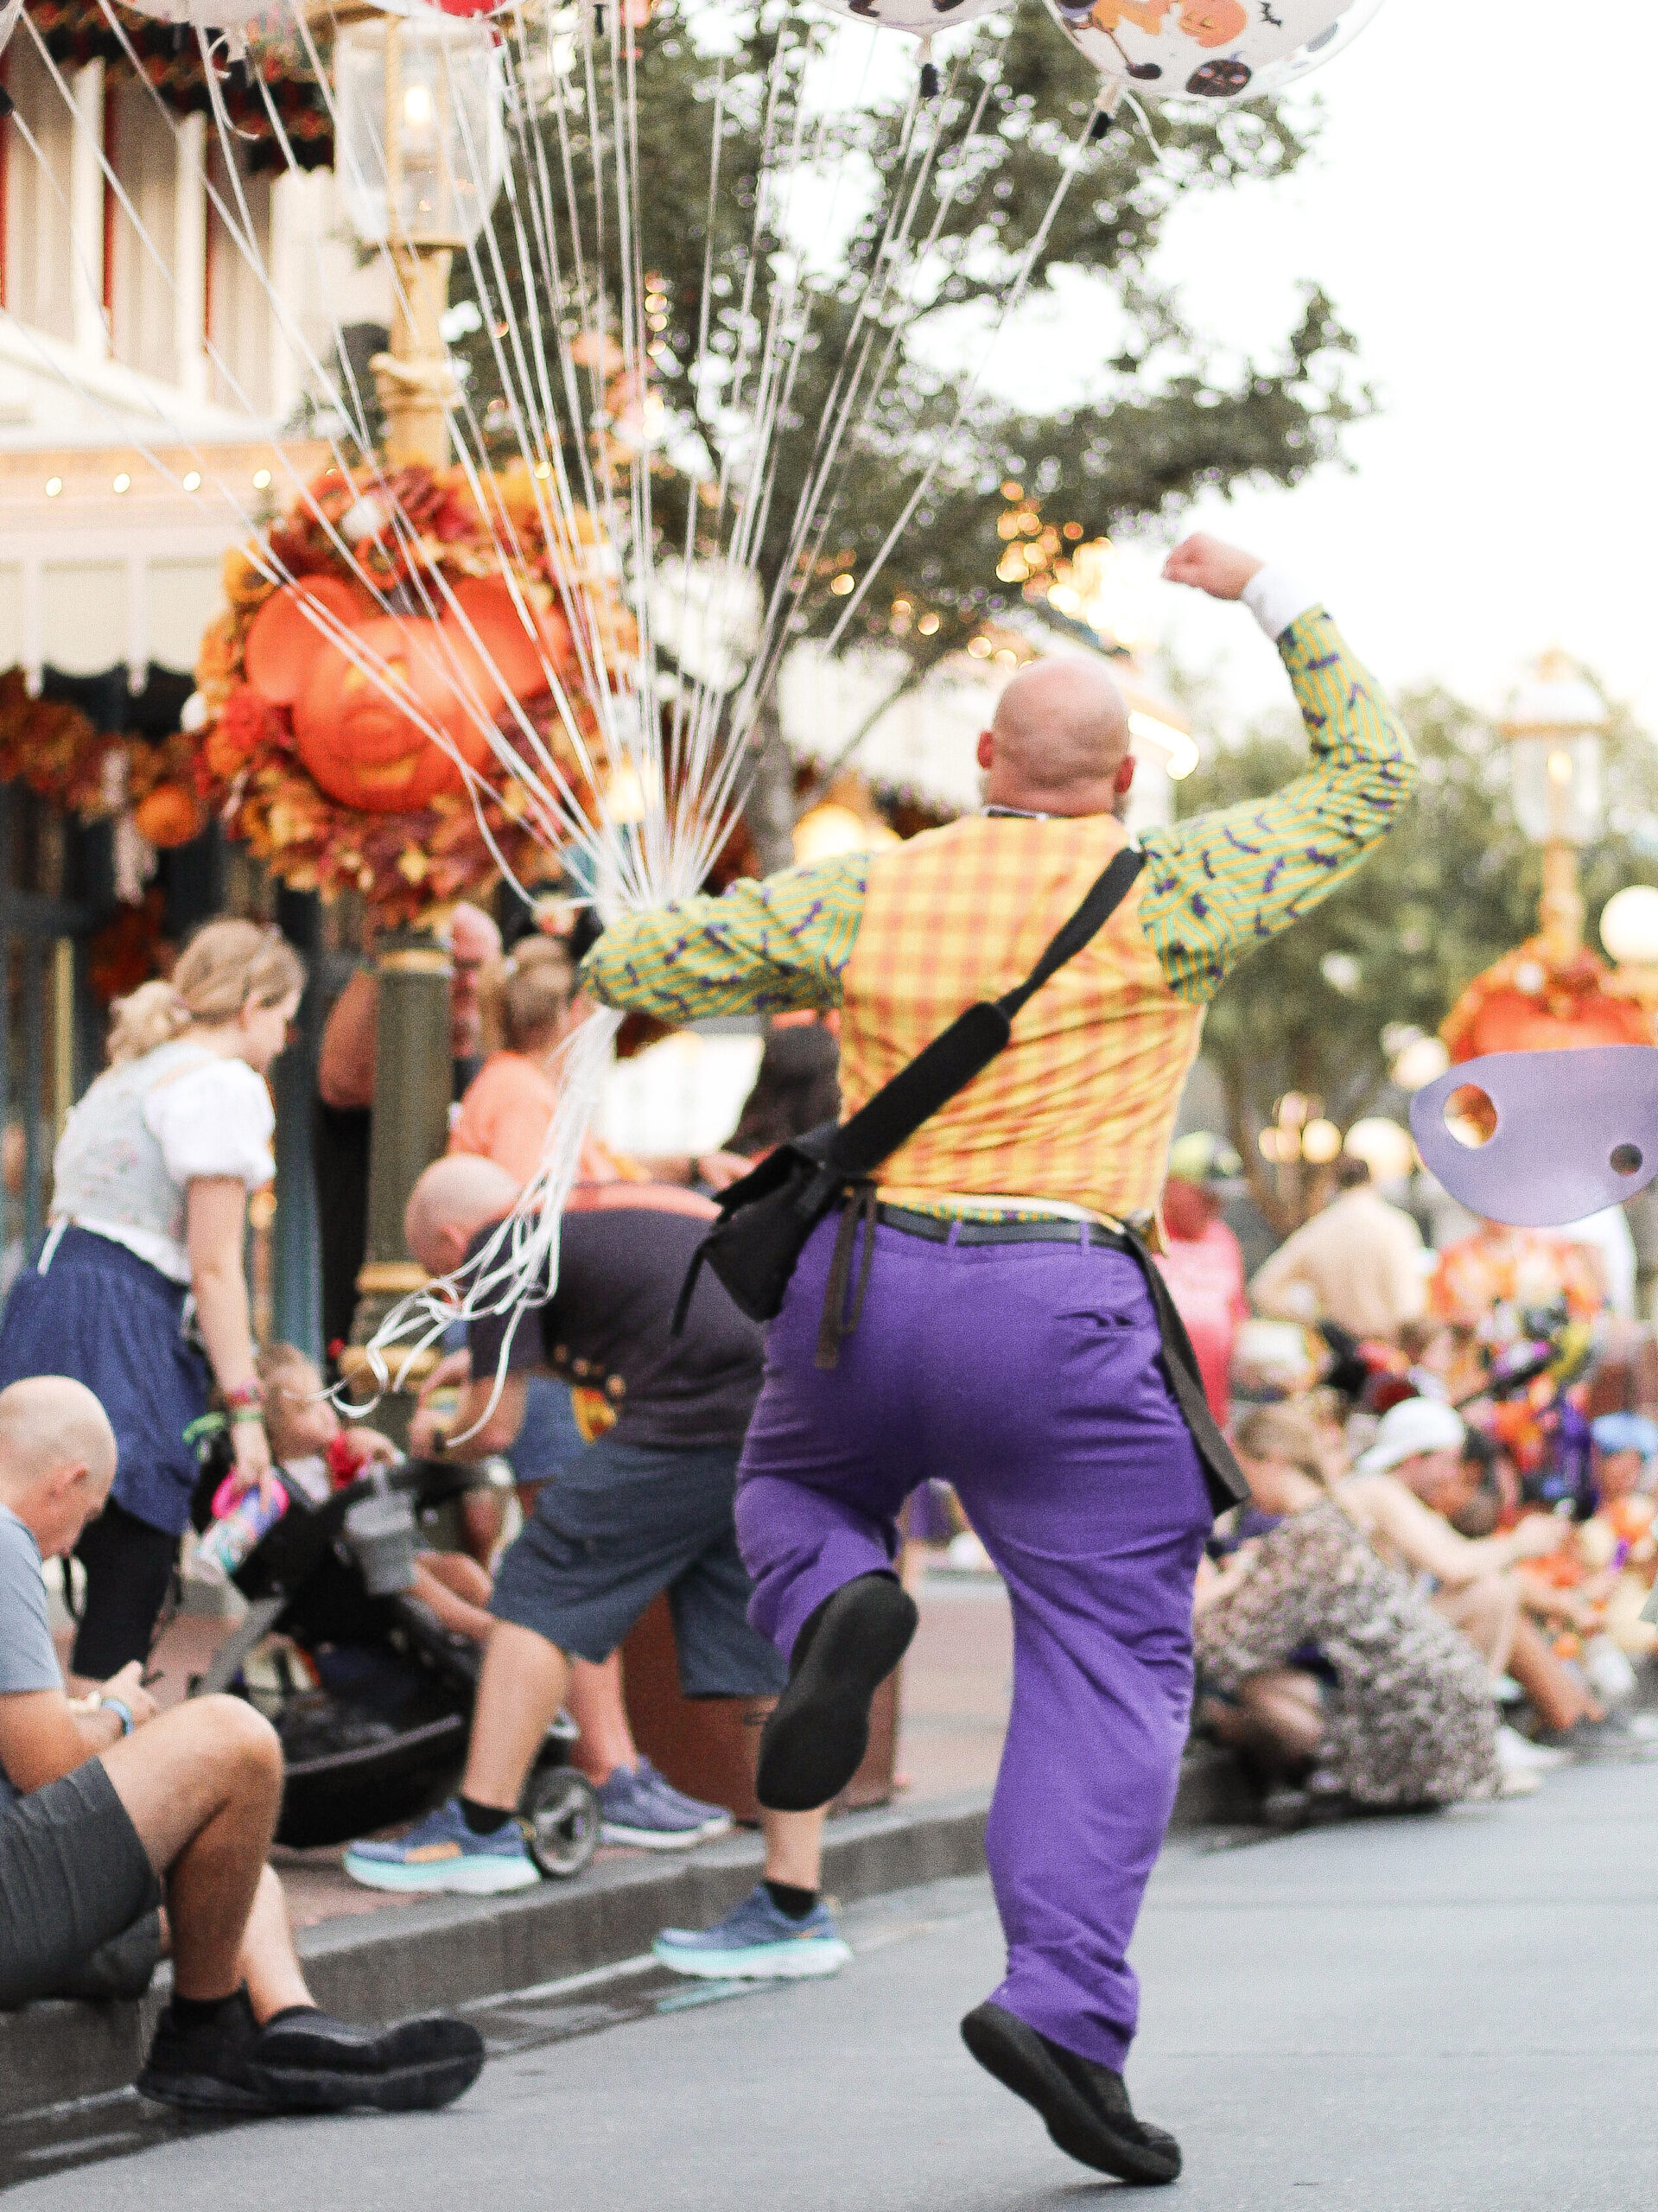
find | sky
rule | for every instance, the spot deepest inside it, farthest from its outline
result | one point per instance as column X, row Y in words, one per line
column 1476, row 210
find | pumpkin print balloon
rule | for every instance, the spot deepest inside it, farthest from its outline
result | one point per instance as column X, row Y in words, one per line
column 1213, row 52
column 919, row 16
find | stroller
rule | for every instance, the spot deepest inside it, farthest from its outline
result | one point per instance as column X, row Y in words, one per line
column 369, row 1694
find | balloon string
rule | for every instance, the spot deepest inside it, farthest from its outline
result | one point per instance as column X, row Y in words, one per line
column 1158, row 152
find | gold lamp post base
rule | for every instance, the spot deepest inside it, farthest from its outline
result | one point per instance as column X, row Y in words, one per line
column 1560, row 909
column 417, row 385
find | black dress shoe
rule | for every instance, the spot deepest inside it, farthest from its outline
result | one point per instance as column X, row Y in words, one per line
column 1084, row 2104
column 818, row 1732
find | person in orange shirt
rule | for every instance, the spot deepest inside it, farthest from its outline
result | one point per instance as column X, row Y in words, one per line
column 529, row 1012
column 1203, row 1261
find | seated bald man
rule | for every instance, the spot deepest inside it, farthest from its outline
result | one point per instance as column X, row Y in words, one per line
column 1012, row 1338
column 104, row 1802
column 646, row 1509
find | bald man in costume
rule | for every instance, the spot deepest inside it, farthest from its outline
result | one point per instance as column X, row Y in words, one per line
column 1009, row 1341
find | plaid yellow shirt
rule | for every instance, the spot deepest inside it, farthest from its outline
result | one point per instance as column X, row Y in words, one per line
column 1080, row 1106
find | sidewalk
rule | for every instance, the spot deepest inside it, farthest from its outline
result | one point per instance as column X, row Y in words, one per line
column 373, row 1956
column 957, row 1680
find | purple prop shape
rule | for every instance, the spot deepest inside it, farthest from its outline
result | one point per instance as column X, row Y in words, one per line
column 1576, row 1131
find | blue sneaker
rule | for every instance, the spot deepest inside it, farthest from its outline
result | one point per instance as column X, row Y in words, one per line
column 638, row 1807
column 756, row 1943
column 441, row 1853
column 713, row 1820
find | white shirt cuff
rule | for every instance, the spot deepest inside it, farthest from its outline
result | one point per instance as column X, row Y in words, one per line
column 1275, row 598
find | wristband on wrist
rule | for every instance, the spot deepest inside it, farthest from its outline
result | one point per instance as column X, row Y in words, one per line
column 122, row 1711
column 244, row 1416
column 250, row 1392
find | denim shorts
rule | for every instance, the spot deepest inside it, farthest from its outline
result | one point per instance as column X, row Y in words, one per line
column 629, row 1521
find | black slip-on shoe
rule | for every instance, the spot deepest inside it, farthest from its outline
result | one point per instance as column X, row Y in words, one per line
column 207, row 2067
column 818, row 1732
column 310, row 2062
column 1084, row 2104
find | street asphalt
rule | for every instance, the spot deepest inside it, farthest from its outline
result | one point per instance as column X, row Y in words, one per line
column 1415, row 2015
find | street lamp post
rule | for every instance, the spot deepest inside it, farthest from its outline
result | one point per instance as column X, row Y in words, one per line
column 1553, row 727
column 419, row 156
column 420, row 153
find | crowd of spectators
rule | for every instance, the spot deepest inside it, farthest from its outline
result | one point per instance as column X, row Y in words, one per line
column 1439, row 1588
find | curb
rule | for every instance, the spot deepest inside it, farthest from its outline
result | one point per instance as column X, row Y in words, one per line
column 450, row 1951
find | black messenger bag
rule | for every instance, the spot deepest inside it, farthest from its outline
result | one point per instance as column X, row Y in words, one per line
column 766, row 1216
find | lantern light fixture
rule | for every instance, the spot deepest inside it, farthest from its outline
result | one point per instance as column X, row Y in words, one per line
column 1553, row 727
column 422, row 143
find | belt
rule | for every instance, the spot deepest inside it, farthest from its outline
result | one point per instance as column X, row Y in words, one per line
column 938, row 1229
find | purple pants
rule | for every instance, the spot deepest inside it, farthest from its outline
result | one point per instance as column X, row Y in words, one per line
column 1030, row 1377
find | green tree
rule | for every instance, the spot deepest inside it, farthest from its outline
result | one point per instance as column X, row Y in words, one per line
column 1169, row 414
column 1454, row 887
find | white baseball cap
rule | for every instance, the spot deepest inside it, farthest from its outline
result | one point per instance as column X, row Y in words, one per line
column 1413, row 1426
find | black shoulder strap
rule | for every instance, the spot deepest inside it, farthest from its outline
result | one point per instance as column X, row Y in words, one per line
column 891, row 1118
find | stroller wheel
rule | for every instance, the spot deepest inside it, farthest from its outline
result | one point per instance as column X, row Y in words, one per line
column 562, row 1809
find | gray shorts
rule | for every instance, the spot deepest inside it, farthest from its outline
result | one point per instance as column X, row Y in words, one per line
column 636, row 1520
column 78, row 1896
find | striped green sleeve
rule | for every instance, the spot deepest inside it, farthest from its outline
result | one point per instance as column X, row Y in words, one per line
column 1221, row 884
column 764, row 948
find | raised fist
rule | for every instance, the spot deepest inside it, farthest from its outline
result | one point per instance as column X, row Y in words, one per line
column 1209, row 564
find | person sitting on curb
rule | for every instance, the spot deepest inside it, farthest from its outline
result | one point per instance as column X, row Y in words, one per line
column 1332, row 1669
column 648, row 1508
column 104, row 1802
column 1396, row 1493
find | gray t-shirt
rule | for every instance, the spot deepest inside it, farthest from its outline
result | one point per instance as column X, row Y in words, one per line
column 28, row 1659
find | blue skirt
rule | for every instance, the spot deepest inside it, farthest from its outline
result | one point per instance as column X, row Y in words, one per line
column 108, row 1318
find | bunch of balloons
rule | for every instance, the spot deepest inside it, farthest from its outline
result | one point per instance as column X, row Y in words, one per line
column 1216, row 52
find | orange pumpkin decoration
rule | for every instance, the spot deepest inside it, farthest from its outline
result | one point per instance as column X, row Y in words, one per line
column 516, row 656
column 282, row 639
column 360, row 743
column 1527, row 1003
column 168, row 816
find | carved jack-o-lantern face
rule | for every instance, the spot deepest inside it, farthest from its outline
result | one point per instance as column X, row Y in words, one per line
column 355, row 707
column 363, row 747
